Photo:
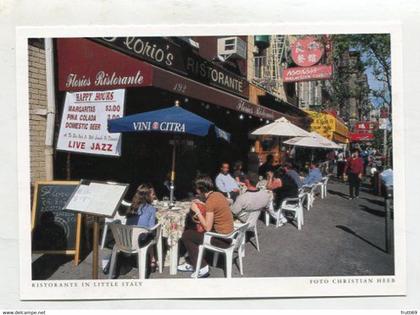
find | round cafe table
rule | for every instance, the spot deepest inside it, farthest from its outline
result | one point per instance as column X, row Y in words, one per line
column 173, row 224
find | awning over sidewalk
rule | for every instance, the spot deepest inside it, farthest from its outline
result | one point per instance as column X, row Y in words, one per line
column 84, row 65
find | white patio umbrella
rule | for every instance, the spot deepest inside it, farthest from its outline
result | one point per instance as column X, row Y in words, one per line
column 280, row 127
column 314, row 140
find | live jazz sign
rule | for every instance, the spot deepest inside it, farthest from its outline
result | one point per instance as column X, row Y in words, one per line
column 83, row 126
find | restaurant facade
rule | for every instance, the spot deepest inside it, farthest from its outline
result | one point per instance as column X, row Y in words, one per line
column 152, row 73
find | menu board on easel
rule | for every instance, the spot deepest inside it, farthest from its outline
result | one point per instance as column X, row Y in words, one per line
column 55, row 231
column 97, row 198
column 100, row 199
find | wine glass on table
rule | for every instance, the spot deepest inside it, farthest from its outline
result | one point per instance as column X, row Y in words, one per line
column 165, row 201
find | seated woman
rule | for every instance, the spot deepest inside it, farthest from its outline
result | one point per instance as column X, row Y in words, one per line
column 218, row 218
column 283, row 186
column 143, row 214
column 238, row 173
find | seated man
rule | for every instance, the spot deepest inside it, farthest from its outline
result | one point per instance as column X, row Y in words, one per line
column 283, row 186
column 252, row 200
column 314, row 175
column 226, row 184
column 289, row 169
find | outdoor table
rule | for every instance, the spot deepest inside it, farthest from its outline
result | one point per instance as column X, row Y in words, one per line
column 173, row 225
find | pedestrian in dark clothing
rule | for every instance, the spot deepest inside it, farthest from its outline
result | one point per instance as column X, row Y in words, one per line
column 354, row 171
column 282, row 185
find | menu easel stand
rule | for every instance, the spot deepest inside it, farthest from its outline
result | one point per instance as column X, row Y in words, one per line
column 99, row 199
column 50, row 196
column 95, row 254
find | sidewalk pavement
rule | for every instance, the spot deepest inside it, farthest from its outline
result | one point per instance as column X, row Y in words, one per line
column 340, row 237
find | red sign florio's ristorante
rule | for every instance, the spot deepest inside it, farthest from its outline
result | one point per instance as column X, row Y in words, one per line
column 85, row 66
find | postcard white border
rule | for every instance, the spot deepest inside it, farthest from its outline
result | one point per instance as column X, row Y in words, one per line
column 208, row 288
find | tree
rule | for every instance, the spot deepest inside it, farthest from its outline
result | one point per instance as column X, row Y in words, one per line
column 375, row 50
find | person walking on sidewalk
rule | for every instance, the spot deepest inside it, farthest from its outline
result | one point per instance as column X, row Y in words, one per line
column 354, row 171
column 341, row 163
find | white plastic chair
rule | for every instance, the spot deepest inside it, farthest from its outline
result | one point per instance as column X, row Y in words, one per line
column 276, row 214
column 252, row 221
column 237, row 243
column 126, row 241
column 117, row 218
column 318, row 187
column 310, row 194
column 269, row 211
column 294, row 205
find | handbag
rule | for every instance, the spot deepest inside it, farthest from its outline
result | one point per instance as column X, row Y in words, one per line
column 200, row 228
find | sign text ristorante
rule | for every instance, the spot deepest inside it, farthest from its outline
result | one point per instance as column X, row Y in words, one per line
column 104, row 79
column 87, row 66
column 169, row 55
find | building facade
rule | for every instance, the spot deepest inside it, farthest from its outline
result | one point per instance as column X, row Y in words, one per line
column 206, row 75
column 37, row 109
column 356, row 104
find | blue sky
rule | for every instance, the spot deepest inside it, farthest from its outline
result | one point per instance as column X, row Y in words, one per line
column 373, row 84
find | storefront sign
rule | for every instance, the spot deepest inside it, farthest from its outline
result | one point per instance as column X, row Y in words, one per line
column 85, row 66
column 167, row 54
column 80, row 58
column 319, row 72
column 83, row 126
column 361, row 137
column 362, row 126
column 328, row 126
column 178, row 84
column 307, row 51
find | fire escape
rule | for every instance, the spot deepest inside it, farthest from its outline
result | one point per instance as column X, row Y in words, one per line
column 268, row 67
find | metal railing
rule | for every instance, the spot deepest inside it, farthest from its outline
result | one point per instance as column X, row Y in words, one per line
column 260, row 64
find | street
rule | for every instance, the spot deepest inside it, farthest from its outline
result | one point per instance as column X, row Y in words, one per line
column 340, row 237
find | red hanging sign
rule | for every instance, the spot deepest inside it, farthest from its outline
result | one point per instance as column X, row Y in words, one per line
column 307, row 51
column 318, row 72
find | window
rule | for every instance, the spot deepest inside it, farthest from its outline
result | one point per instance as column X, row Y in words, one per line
column 230, row 44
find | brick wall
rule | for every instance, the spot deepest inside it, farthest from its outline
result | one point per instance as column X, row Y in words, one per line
column 37, row 109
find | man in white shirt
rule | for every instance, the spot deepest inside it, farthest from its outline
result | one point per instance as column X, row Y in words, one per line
column 252, row 200
column 226, row 184
column 341, row 163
